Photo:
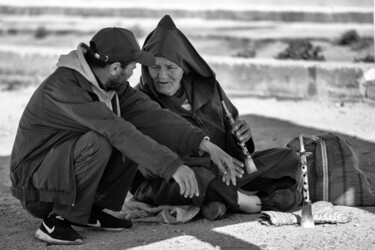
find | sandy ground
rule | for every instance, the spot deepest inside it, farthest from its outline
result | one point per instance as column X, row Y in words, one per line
column 274, row 123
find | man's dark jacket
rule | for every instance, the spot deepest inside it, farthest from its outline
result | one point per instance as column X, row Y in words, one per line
column 70, row 103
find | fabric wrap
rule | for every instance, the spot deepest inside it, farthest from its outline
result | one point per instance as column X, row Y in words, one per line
column 141, row 212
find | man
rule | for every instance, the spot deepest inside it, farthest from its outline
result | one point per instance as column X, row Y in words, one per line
column 74, row 155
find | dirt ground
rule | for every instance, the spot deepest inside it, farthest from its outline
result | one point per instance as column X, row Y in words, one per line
column 271, row 127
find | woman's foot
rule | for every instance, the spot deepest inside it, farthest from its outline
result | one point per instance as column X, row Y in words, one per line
column 281, row 200
column 214, row 210
column 249, row 204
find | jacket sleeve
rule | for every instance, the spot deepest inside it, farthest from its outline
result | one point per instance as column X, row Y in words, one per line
column 67, row 106
column 233, row 110
column 162, row 125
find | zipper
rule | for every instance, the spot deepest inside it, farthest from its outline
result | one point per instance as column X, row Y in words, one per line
column 325, row 169
column 201, row 124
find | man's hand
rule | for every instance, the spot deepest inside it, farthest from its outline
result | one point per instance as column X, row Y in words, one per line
column 221, row 159
column 185, row 178
column 238, row 165
column 242, row 131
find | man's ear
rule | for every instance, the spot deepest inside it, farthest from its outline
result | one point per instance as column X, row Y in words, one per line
column 115, row 68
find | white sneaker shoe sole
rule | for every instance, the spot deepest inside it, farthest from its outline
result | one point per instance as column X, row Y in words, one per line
column 46, row 238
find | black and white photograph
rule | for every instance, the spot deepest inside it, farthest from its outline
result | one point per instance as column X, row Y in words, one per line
column 200, row 124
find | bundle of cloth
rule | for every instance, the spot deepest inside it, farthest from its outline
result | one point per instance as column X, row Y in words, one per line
column 138, row 211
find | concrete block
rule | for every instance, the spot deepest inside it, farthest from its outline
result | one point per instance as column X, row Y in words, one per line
column 246, row 13
column 339, row 82
column 370, row 90
column 292, row 79
column 262, row 79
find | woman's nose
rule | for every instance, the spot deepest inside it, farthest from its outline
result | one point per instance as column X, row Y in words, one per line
column 163, row 73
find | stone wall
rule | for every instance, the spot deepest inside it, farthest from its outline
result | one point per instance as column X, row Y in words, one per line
column 293, row 79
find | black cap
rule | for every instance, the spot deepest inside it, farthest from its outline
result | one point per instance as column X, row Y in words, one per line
column 119, row 45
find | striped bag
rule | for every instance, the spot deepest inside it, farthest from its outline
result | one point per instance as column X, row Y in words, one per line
column 333, row 171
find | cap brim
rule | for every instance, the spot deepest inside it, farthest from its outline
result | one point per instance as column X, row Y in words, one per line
column 145, row 58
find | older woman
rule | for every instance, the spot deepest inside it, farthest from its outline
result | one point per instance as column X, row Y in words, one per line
column 182, row 82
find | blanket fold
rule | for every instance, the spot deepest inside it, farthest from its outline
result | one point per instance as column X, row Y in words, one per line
column 141, row 212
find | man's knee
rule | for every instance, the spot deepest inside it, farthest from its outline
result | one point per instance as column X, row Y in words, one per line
column 95, row 139
column 93, row 142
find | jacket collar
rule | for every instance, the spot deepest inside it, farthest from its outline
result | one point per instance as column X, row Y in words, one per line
column 75, row 60
column 199, row 90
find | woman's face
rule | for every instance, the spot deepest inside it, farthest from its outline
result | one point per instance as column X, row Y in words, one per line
column 166, row 76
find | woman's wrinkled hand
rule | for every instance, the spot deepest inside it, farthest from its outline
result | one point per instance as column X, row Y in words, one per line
column 222, row 160
column 242, row 131
column 238, row 165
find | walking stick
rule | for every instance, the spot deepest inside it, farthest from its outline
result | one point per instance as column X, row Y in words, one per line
column 307, row 219
column 249, row 163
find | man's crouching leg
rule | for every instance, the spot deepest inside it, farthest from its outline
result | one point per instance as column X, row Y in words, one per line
column 90, row 158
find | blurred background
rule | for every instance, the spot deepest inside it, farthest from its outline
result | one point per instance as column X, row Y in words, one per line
column 33, row 33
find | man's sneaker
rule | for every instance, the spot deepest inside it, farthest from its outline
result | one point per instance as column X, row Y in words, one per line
column 213, row 210
column 281, row 200
column 103, row 221
column 57, row 230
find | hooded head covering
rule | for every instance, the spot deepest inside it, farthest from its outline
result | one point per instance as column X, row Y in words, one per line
column 167, row 41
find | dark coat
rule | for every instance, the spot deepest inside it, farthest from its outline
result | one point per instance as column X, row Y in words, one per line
column 277, row 168
column 204, row 94
column 200, row 85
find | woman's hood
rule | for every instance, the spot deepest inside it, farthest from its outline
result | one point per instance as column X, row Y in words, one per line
column 166, row 40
